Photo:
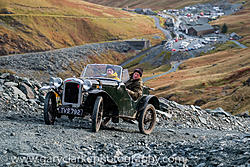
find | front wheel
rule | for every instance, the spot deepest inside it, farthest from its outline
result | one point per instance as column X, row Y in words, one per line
column 147, row 119
column 50, row 108
column 97, row 114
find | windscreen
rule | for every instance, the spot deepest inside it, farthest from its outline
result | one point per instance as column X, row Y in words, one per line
column 103, row 71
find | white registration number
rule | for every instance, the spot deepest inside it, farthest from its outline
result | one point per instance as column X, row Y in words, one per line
column 70, row 111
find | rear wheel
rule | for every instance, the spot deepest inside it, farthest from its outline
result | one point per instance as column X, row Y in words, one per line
column 50, row 108
column 97, row 114
column 147, row 119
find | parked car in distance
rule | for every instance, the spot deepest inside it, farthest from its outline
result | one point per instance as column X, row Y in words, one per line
column 204, row 42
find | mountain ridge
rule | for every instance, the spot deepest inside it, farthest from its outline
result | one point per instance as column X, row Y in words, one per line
column 156, row 5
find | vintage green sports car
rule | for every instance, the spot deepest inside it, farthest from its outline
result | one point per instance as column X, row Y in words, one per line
column 102, row 96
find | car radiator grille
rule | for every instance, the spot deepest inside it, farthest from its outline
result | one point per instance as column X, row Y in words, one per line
column 71, row 92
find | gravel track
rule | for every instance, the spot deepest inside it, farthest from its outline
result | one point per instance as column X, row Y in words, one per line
column 184, row 135
column 24, row 136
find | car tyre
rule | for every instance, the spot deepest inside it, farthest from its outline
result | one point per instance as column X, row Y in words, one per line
column 147, row 119
column 97, row 114
column 50, row 108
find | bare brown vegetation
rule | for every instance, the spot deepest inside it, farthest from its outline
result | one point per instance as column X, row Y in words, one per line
column 217, row 79
column 46, row 25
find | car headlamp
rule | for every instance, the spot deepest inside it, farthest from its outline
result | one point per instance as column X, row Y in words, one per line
column 57, row 82
column 87, row 85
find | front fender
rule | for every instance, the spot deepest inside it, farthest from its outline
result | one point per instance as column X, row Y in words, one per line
column 145, row 100
column 109, row 102
column 92, row 94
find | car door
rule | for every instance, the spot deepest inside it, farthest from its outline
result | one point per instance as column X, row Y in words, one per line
column 117, row 91
column 125, row 102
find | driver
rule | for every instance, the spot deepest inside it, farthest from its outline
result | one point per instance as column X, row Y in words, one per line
column 134, row 85
column 110, row 72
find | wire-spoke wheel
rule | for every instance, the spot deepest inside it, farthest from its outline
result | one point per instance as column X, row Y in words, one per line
column 97, row 114
column 50, row 108
column 147, row 119
column 105, row 121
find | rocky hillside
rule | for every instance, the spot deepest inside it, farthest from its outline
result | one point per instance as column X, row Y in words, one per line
column 65, row 62
column 184, row 136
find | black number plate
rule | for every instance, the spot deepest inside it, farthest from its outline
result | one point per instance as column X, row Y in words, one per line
column 70, row 111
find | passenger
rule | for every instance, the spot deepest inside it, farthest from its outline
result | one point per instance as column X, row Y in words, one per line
column 111, row 73
column 134, row 85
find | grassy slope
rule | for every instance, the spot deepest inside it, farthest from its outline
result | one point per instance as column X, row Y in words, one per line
column 159, row 4
column 216, row 78
column 51, row 24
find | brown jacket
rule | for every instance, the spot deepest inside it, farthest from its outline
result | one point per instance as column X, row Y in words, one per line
column 134, row 88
